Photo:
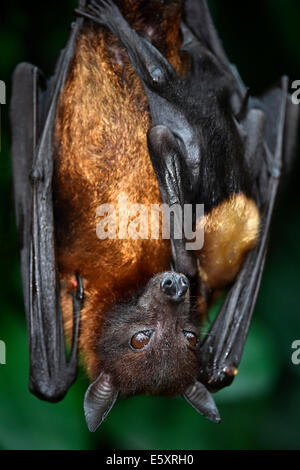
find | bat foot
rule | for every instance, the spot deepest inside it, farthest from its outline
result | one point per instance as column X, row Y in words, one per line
column 101, row 11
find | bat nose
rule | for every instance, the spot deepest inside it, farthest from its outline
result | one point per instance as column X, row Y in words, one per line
column 175, row 286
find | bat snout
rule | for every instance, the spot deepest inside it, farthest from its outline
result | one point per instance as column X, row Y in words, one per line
column 175, row 286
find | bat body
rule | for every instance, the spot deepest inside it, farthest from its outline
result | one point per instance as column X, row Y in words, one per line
column 145, row 106
column 106, row 101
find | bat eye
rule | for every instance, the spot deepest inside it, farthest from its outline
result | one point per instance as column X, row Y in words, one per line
column 191, row 337
column 140, row 340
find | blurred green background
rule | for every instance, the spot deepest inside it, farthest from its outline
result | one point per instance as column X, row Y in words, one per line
column 261, row 410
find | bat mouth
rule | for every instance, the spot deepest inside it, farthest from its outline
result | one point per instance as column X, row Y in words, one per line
column 175, row 286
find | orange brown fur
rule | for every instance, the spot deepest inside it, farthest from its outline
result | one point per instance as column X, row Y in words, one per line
column 230, row 230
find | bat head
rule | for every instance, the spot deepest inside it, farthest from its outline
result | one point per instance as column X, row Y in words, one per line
column 149, row 345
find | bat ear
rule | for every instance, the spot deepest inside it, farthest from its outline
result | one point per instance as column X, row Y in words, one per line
column 99, row 399
column 200, row 399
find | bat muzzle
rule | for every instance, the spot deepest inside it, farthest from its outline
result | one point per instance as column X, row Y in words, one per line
column 175, row 286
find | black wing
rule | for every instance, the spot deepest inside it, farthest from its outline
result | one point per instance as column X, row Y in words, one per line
column 33, row 108
column 221, row 351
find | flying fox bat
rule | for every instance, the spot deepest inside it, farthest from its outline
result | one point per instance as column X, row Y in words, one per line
column 143, row 103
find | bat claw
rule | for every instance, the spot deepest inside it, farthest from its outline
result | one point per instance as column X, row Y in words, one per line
column 100, row 11
column 231, row 371
column 78, row 297
column 79, row 290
